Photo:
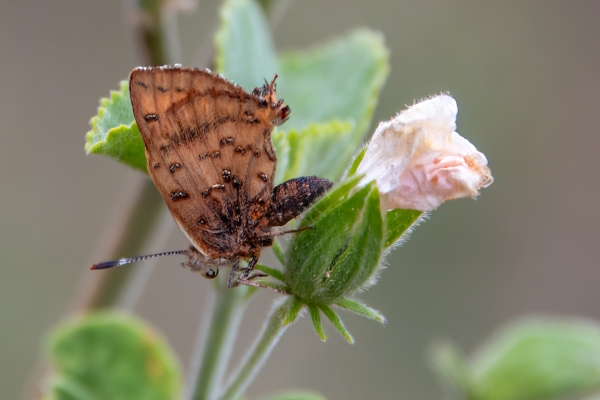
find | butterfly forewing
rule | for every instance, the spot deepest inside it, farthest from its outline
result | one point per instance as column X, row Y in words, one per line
column 209, row 151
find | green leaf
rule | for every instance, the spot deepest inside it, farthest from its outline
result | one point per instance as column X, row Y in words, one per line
column 315, row 316
column 313, row 252
column 295, row 309
column 540, row 358
column 360, row 309
column 295, row 395
column 337, row 322
column 114, row 131
column 112, row 356
column 314, row 149
column 339, row 80
column 399, row 222
column 245, row 52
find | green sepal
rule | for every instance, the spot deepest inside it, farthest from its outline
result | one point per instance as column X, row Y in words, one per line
column 354, row 268
column 112, row 356
column 245, row 53
column 356, row 162
column 329, row 201
column 360, row 309
column 336, row 322
column 399, row 222
column 315, row 316
column 293, row 312
column 275, row 273
column 278, row 251
column 114, row 131
column 313, row 253
column 296, row 395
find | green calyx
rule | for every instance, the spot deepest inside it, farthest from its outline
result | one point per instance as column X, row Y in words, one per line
column 340, row 254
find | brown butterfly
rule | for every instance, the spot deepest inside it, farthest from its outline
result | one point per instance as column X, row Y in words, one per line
column 209, row 152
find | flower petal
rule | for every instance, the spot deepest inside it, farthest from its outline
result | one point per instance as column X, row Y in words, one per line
column 419, row 161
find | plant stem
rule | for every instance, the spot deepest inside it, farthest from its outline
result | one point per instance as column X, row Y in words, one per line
column 261, row 349
column 145, row 16
column 207, row 370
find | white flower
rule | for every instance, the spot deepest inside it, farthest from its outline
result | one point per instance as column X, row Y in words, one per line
column 419, row 161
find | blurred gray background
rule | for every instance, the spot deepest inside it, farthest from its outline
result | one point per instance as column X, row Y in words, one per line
column 526, row 76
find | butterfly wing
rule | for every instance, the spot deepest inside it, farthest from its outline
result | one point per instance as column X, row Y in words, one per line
column 209, row 151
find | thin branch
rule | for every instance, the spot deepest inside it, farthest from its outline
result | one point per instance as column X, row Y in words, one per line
column 261, row 349
column 215, row 342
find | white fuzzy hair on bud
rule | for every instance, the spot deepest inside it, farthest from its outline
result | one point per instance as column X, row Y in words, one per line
column 419, row 161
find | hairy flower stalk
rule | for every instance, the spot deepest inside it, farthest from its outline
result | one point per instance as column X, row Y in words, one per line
column 419, row 161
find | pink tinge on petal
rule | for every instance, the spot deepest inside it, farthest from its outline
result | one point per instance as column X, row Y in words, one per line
column 426, row 186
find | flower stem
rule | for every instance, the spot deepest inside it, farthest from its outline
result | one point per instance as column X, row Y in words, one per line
column 207, row 370
column 261, row 349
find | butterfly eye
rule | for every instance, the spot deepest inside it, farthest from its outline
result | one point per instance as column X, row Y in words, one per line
column 210, row 273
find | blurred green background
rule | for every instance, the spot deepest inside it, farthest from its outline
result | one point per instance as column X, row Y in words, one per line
column 526, row 76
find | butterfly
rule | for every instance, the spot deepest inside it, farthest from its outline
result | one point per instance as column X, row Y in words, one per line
column 210, row 154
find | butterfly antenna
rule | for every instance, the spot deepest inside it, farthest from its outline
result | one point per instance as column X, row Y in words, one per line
column 124, row 261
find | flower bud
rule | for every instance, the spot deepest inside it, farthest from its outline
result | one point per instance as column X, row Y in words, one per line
column 341, row 253
column 419, row 161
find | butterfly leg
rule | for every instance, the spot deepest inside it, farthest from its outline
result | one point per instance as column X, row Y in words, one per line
column 247, row 280
column 274, row 233
column 231, row 281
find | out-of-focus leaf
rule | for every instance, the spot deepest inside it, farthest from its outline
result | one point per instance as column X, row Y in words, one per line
column 114, row 131
column 112, row 356
column 314, row 150
column 452, row 370
column 540, row 359
column 341, row 81
column 531, row 359
column 245, row 53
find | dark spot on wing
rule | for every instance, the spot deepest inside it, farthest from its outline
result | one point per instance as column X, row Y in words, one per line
column 174, row 166
column 236, row 182
column 178, row 195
